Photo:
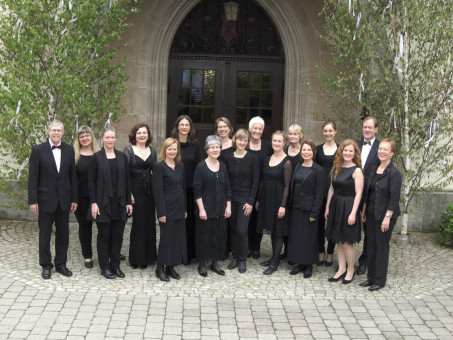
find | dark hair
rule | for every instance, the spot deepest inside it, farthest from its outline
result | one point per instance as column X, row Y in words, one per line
column 133, row 133
column 329, row 122
column 192, row 137
column 312, row 145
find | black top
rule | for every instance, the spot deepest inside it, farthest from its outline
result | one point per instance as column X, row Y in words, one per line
column 225, row 152
column 141, row 168
column 82, row 175
column 213, row 188
column 372, row 159
column 307, row 188
column 168, row 189
column 190, row 156
column 294, row 159
column 244, row 176
column 371, row 197
column 326, row 161
column 266, row 150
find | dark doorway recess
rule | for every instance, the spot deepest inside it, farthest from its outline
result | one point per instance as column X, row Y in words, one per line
column 232, row 68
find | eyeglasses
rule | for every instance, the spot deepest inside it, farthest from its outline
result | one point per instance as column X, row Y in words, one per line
column 214, row 147
column 184, row 125
column 84, row 136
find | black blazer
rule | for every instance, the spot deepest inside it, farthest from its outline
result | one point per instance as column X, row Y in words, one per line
column 169, row 190
column 372, row 159
column 100, row 186
column 388, row 191
column 46, row 186
column 310, row 194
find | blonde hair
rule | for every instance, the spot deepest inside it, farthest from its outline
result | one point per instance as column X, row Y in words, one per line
column 339, row 160
column 227, row 122
column 280, row 133
column 241, row 134
column 94, row 144
column 166, row 144
column 297, row 129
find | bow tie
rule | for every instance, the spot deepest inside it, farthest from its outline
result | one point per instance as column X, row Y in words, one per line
column 366, row 143
column 56, row 147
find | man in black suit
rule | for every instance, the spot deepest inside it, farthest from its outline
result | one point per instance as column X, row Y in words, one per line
column 368, row 150
column 52, row 193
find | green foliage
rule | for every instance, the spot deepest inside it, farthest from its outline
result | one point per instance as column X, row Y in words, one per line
column 403, row 51
column 58, row 60
column 445, row 227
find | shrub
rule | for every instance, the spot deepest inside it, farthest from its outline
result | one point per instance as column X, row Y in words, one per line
column 445, row 227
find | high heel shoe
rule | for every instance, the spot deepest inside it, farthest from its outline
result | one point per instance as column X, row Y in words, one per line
column 335, row 279
column 345, row 282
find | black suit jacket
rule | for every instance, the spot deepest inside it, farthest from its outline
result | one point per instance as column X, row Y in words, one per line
column 46, row 186
column 372, row 157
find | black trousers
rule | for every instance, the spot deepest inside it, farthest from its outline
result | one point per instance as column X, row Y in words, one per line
column 239, row 231
column 322, row 232
column 190, row 224
column 254, row 237
column 45, row 222
column 378, row 248
column 109, row 242
column 85, row 227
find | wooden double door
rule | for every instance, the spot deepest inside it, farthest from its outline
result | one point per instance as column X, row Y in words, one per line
column 239, row 90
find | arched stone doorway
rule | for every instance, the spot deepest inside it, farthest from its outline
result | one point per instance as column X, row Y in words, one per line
column 223, row 65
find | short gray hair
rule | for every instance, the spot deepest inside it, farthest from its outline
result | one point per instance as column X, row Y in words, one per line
column 55, row 122
column 256, row 120
column 212, row 139
column 107, row 129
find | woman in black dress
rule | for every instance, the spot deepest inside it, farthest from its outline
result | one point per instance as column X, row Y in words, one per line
column 272, row 198
column 212, row 192
column 295, row 137
column 261, row 149
column 380, row 212
column 170, row 198
column 184, row 132
column 109, row 185
column 243, row 172
column 307, row 192
column 342, row 211
column 224, row 129
column 325, row 155
column 84, row 148
column 141, row 156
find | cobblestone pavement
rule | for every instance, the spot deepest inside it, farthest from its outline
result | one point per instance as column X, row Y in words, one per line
column 417, row 302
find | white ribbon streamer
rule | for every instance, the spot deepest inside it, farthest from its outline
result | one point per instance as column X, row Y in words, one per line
column 73, row 19
column 22, row 166
column 386, row 8
column 424, row 179
column 70, row 5
column 390, row 120
column 16, row 115
column 362, row 87
column 17, row 27
column 107, row 123
column 349, row 6
column 401, row 44
column 77, row 123
column 357, row 24
column 432, row 130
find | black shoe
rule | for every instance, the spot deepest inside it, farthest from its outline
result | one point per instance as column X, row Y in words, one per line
column 233, row 264
column 216, row 269
column 88, row 264
column 144, row 266
column 320, row 262
column 118, row 273
column 170, row 270
column 63, row 270
column 297, row 269
column 374, row 287
column 308, row 272
column 242, row 267
column 366, row 283
column 345, row 282
column 134, row 266
column 122, row 257
column 362, row 269
column 270, row 270
column 256, row 254
column 266, row 263
column 291, row 263
column 160, row 273
column 328, row 264
column 335, row 279
column 107, row 274
column 283, row 256
column 46, row 273
column 203, row 273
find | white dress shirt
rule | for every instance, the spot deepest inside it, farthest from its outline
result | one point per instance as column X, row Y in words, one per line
column 56, row 155
column 366, row 151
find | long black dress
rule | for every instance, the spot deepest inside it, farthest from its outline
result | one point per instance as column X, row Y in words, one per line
column 142, row 247
column 341, row 203
column 307, row 192
column 214, row 190
column 170, row 198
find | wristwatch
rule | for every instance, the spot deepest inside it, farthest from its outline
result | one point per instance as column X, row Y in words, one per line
column 388, row 215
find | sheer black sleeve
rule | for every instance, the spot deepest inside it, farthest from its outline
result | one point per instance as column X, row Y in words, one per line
column 287, row 175
column 92, row 177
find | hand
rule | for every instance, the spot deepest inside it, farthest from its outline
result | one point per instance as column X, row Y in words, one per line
column 74, row 207
column 312, row 219
column 203, row 215
column 132, row 199
column 163, row 219
column 129, row 209
column 385, row 224
column 363, row 215
column 34, row 208
column 185, row 215
column 351, row 219
column 247, row 209
column 227, row 212
column 94, row 210
column 326, row 213
column 281, row 212
column 257, row 204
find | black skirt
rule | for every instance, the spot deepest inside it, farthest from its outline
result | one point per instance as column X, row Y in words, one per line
column 210, row 237
column 173, row 243
column 303, row 238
